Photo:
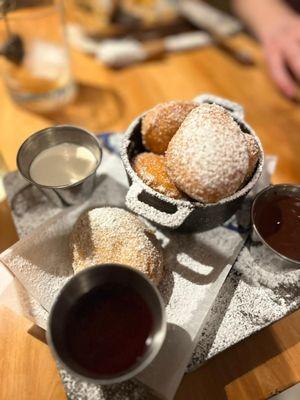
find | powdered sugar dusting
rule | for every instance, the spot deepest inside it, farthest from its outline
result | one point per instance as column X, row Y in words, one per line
column 191, row 268
column 271, row 274
column 77, row 389
column 139, row 185
column 42, row 259
column 241, row 307
column 253, row 153
column 188, row 293
column 208, row 158
column 35, row 276
column 113, row 235
column 257, row 292
column 165, row 219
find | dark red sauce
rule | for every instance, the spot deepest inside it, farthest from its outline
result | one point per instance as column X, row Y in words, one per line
column 277, row 219
column 107, row 330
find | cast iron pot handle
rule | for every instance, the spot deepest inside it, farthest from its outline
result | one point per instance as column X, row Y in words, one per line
column 171, row 221
column 234, row 108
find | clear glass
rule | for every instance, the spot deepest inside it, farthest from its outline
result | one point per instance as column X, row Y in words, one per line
column 3, row 171
column 42, row 81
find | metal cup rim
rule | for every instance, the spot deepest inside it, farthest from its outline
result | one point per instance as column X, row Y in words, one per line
column 40, row 132
column 129, row 373
column 254, row 227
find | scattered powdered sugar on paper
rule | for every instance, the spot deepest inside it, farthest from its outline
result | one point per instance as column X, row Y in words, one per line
column 282, row 284
column 257, row 292
column 77, row 389
column 188, row 258
column 42, row 259
column 283, row 281
column 242, row 306
column 188, row 293
column 42, row 262
column 29, row 207
column 36, row 279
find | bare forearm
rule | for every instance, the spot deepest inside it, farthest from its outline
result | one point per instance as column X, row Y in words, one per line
column 278, row 28
column 262, row 15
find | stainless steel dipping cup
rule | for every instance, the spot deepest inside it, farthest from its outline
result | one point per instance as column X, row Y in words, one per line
column 84, row 282
column 67, row 194
column 267, row 193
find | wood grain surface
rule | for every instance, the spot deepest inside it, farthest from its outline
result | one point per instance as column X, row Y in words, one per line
column 108, row 100
column 27, row 369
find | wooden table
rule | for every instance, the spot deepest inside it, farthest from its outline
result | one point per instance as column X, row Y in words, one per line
column 253, row 369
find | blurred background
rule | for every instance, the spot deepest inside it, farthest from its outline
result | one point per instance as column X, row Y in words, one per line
column 35, row 37
column 99, row 63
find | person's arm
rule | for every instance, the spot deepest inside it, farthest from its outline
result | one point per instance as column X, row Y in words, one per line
column 277, row 26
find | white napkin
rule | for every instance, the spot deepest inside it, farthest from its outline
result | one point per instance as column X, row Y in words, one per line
column 196, row 267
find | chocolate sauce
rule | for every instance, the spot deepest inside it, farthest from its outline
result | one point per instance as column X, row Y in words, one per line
column 107, row 330
column 277, row 219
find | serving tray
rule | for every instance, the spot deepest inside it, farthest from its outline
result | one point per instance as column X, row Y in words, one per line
column 252, row 296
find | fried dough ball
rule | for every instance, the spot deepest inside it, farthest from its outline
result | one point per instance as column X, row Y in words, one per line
column 208, row 156
column 151, row 169
column 161, row 123
column 113, row 235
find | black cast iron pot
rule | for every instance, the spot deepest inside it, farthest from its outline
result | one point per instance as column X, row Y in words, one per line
column 184, row 215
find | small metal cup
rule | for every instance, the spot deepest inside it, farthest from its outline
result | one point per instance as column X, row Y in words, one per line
column 82, row 283
column 67, row 194
column 281, row 260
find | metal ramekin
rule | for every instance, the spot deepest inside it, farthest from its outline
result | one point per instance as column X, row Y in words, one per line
column 184, row 215
column 284, row 188
column 82, row 283
column 66, row 194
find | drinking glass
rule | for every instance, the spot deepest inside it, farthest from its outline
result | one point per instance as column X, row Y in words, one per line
column 42, row 80
column 3, row 171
